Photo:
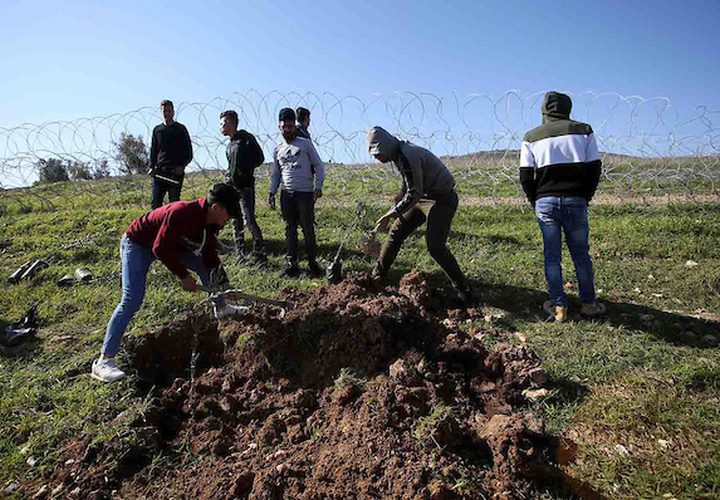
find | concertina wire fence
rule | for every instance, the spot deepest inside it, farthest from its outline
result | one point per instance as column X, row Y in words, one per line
column 650, row 148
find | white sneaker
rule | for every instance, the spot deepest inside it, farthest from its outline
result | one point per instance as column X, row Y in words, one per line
column 230, row 310
column 106, row 370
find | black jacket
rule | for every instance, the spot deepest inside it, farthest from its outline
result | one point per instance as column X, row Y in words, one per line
column 244, row 154
column 171, row 148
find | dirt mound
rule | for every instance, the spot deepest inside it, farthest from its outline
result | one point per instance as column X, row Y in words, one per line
column 354, row 393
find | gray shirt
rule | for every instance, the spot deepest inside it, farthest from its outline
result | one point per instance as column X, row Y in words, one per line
column 298, row 166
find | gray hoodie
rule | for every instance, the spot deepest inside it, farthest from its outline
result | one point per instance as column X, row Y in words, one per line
column 423, row 174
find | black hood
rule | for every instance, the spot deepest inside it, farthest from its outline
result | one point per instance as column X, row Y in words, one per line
column 556, row 106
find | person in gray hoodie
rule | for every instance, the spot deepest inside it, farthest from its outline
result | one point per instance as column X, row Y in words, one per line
column 428, row 194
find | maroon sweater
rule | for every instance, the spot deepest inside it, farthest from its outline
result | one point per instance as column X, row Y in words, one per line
column 174, row 229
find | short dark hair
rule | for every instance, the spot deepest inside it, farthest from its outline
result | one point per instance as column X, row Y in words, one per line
column 302, row 114
column 231, row 115
column 225, row 195
column 167, row 102
column 286, row 115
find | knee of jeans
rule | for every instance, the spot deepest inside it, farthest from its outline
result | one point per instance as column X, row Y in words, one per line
column 131, row 302
column 552, row 255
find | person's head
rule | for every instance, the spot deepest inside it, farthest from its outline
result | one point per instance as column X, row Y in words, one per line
column 303, row 116
column 286, row 123
column 228, row 122
column 382, row 145
column 556, row 105
column 168, row 111
column 222, row 200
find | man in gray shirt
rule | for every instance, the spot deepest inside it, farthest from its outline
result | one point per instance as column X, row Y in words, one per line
column 298, row 170
column 428, row 195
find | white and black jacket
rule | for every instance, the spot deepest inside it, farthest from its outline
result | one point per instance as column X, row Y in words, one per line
column 560, row 157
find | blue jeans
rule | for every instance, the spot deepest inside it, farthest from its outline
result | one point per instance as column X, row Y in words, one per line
column 568, row 214
column 136, row 260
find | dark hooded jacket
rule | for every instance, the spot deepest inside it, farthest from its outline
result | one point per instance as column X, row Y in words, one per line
column 244, row 155
column 423, row 174
column 560, row 157
column 302, row 131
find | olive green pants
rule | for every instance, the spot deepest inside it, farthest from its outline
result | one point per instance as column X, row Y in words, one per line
column 439, row 219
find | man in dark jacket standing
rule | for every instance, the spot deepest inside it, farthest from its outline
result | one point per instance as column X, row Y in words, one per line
column 183, row 236
column 244, row 154
column 428, row 187
column 559, row 171
column 303, row 123
column 170, row 152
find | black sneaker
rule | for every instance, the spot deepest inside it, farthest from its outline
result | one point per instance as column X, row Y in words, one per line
column 315, row 270
column 466, row 294
column 292, row 271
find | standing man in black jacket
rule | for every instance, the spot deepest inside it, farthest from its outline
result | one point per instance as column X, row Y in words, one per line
column 244, row 154
column 303, row 123
column 170, row 152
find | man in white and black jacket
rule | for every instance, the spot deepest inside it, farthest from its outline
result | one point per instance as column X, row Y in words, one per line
column 559, row 171
column 244, row 155
column 170, row 152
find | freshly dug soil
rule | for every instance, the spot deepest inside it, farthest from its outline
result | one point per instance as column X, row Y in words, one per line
column 354, row 393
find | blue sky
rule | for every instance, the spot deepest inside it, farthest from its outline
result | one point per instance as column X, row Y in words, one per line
column 64, row 60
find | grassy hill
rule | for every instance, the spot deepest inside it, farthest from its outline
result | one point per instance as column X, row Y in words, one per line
column 635, row 396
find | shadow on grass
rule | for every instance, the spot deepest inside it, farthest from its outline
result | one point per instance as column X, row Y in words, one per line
column 674, row 328
column 526, row 304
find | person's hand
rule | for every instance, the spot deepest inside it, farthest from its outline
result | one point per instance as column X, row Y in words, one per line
column 318, row 193
column 189, row 284
column 178, row 170
column 383, row 221
column 271, row 202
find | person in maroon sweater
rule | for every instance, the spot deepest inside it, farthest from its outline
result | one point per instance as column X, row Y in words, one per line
column 181, row 235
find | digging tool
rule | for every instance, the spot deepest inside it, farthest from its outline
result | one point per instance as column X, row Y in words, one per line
column 163, row 177
column 369, row 244
column 333, row 273
column 235, row 294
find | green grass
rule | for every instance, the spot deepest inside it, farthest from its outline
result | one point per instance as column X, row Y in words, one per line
column 630, row 380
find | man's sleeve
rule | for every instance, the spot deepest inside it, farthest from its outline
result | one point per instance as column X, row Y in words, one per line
column 411, row 172
column 275, row 174
column 153, row 148
column 188, row 147
column 167, row 242
column 248, row 156
column 258, row 155
column 527, row 172
column 316, row 165
column 591, row 177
